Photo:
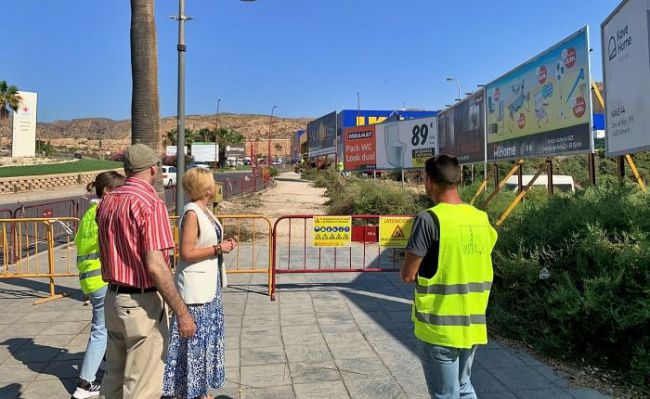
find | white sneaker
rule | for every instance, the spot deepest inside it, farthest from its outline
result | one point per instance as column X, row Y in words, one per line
column 83, row 393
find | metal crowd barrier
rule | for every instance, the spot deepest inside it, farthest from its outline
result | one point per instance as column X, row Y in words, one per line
column 293, row 251
column 254, row 252
column 63, row 208
column 38, row 248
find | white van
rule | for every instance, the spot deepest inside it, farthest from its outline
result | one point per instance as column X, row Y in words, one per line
column 560, row 182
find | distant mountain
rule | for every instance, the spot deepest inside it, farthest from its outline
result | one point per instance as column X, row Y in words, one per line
column 251, row 126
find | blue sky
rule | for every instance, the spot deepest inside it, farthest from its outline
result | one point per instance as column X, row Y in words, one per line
column 307, row 57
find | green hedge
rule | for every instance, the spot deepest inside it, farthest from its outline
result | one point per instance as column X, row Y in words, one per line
column 596, row 303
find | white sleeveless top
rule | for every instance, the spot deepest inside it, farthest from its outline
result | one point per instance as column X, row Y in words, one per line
column 197, row 281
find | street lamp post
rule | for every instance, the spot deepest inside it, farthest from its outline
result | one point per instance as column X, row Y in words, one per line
column 449, row 79
column 180, row 129
column 216, row 131
column 180, row 126
column 268, row 161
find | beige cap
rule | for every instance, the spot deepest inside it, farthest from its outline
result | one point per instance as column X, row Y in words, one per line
column 139, row 157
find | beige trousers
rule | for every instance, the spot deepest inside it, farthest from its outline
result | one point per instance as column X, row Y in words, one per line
column 138, row 328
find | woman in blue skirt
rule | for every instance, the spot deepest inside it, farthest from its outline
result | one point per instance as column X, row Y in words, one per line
column 195, row 365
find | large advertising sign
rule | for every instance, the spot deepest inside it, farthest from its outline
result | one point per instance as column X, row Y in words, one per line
column 461, row 130
column 235, row 151
column 406, row 144
column 353, row 117
column 321, row 135
column 359, row 148
column 626, row 66
column 543, row 107
column 24, row 126
column 361, row 117
column 205, row 152
column 295, row 145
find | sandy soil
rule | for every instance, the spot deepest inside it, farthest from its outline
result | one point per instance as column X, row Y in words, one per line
column 289, row 196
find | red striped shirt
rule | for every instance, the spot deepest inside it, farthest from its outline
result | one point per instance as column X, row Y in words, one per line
column 132, row 221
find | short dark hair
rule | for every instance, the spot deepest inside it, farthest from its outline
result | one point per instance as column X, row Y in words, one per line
column 443, row 169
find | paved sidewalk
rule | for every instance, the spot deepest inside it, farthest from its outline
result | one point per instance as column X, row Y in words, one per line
column 344, row 335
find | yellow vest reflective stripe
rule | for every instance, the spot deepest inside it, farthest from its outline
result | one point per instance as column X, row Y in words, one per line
column 86, row 240
column 449, row 308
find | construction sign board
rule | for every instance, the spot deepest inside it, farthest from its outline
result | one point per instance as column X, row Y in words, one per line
column 394, row 231
column 332, row 231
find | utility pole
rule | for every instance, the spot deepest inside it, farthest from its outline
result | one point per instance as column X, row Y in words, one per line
column 216, row 131
column 268, row 161
column 180, row 127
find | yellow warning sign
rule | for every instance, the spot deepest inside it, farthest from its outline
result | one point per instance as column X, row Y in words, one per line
column 394, row 231
column 331, row 231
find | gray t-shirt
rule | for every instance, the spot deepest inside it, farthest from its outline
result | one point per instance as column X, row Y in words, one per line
column 425, row 242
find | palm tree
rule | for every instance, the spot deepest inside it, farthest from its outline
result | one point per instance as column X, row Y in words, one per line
column 9, row 99
column 145, row 113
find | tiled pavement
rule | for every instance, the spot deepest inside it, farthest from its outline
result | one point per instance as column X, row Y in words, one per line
column 327, row 336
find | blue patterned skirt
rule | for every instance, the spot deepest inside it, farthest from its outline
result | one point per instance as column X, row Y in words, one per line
column 194, row 366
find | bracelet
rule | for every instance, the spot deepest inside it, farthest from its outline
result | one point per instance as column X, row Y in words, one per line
column 217, row 249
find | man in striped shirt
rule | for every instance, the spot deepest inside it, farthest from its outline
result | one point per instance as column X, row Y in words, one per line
column 134, row 239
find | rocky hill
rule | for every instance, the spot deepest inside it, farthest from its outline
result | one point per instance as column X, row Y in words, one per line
column 251, row 126
column 85, row 134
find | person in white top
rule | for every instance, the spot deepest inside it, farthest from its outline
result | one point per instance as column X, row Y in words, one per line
column 195, row 364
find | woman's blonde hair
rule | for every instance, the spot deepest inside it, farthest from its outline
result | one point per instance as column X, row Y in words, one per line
column 196, row 183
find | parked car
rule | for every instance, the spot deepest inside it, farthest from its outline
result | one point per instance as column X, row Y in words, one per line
column 169, row 175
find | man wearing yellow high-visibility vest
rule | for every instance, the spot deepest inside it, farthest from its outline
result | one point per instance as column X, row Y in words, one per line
column 449, row 257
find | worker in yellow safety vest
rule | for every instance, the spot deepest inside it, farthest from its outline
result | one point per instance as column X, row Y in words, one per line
column 449, row 257
column 92, row 285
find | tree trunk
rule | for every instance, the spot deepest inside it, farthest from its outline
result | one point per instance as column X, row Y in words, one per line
column 145, row 113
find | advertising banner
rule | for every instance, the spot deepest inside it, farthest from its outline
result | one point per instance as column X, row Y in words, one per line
column 234, row 151
column 406, row 144
column 321, row 135
column 626, row 67
column 205, row 152
column 543, row 107
column 359, row 148
column 461, row 129
column 24, row 126
column 295, row 146
column 362, row 117
column 171, row 150
column 394, row 232
column 331, row 231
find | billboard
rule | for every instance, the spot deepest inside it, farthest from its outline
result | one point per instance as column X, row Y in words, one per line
column 171, row 150
column 406, row 144
column 295, row 145
column 353, row 117
column 234, row 151
column 205, row 152
column 359, row 147
column 24, row 126
column 461, row 129
column 321, row 134
column 543, row 107
column 361, row 117
column 626, row 67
